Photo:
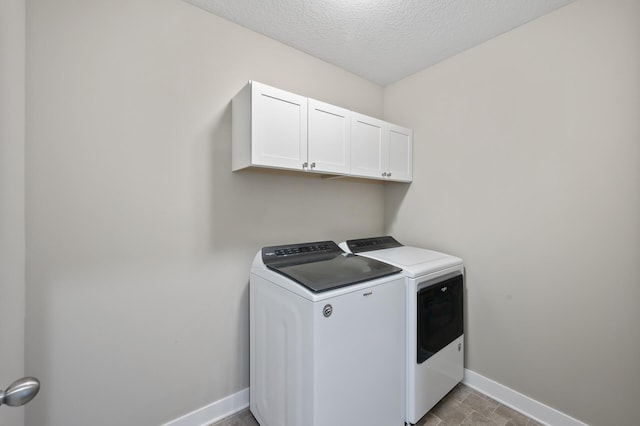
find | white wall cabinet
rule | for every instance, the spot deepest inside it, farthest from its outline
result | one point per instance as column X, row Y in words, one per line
column 399, row 153
column 380, row 150
column 329, row 138
column 367, row 144
column 269, row 128
column 277, row 129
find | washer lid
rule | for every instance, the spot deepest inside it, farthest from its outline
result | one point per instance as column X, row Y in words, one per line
column 323, row 266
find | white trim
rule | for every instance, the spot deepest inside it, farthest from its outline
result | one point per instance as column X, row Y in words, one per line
column 538, row 411
column 215, row 411
column 529, row 407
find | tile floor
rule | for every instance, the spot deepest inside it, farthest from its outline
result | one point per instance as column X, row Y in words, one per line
column 463, row 406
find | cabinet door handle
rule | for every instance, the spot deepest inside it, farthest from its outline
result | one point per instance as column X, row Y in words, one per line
column 304, row 165
column 313, row 165
column 389, row 174
column 384, row 174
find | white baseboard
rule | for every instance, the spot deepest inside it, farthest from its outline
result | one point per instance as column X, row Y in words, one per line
column 215, row 411
column 529, row 407
column 538, row 411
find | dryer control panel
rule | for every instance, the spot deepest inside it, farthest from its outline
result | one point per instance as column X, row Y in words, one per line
column 374, row 243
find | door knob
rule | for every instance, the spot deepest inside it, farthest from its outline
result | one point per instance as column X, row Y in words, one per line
column 20, row 392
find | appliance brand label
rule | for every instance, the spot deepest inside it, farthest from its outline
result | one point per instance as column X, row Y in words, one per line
column 327, row 310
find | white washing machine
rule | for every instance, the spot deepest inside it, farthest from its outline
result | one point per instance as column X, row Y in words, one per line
column 434, row 315
column 327, row 338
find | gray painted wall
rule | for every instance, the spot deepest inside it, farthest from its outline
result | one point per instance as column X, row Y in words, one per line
column 12, row 239
column 527, row 165
column 139, row 236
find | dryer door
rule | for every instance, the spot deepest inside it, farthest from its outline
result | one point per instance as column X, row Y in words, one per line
column 440, row 317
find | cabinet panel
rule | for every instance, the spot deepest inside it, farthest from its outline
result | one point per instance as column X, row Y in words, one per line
column 367, row 140
column 278, row 127
column 328, row 138
column 399, row 153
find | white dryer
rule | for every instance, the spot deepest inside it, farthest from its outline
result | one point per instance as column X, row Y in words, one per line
column 434, row 313
column 326, row 338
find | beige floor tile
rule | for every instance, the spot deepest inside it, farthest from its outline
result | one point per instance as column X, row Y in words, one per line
column 243, row 418
column 508, row 416
column 429, row 420
column 451, row 411
column 482, row 405
column 477, row 419
column 460, row 392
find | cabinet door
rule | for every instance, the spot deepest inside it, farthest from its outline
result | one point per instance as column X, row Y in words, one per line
column 328, row 138
column 278, row 128
column 399, row 153
column 367, row 140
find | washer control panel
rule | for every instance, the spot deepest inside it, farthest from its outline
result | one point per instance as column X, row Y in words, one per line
column 290, row 252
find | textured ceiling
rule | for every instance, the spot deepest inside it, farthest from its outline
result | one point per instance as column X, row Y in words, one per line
column 381, row 40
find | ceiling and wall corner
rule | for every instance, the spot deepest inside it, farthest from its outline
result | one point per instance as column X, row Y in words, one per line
column 381, row 40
